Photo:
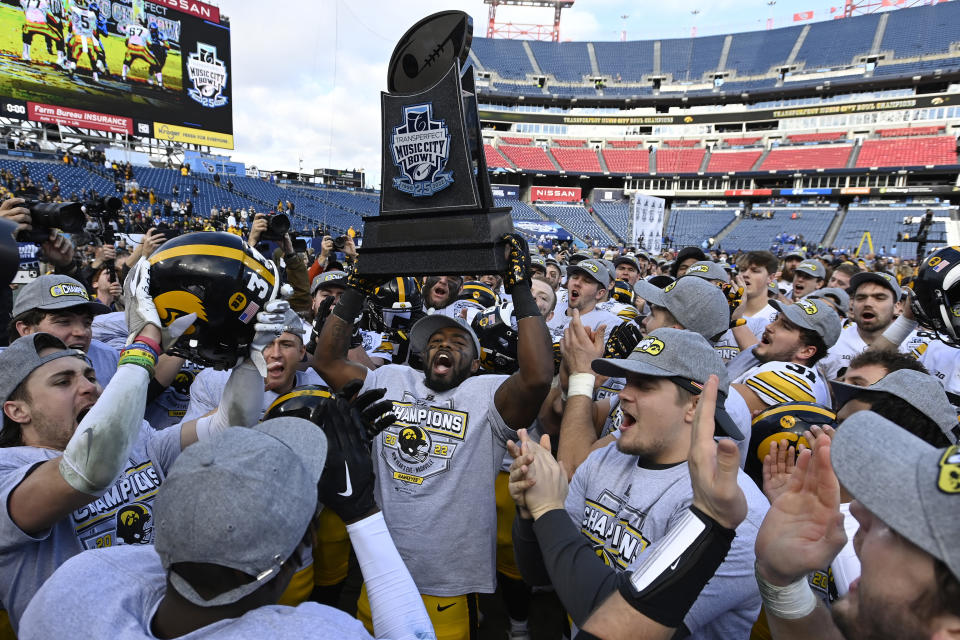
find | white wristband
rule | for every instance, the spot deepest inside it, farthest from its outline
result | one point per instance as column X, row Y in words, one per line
column 898, row 331
column 581, row 384
column 794, row 601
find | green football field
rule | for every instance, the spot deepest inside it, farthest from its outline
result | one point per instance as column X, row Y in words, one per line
column 40, row 80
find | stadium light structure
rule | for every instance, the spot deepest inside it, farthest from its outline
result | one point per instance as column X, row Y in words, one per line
column 852, row 8
column 511, row 30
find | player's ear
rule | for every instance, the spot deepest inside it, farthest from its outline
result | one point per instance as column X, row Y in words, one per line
column 474, row 366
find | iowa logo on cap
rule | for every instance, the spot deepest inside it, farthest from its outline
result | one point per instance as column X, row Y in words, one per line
column 589, row 267
column 67, row 289
column 698, row 268
column 949, row 479
column 808, row 306
column 670, row 286
column 651, row 345
column 808, row 265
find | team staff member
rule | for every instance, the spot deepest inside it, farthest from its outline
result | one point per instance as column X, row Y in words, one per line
column 437, row 465
column 626, row 497
column 80, row 466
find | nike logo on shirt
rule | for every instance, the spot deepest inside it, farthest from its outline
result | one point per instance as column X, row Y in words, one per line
column 346, row 493
column 445, row 607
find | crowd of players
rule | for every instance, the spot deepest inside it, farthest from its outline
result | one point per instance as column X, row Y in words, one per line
column 677, row 445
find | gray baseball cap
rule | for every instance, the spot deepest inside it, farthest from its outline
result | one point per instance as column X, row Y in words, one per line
column 920, row 390
column 23, row 357
column 812, row 268
column 684, row 357
column 708, row 270
column 880, row 277
column 796, row 253
column 425, row 327
column 592, row 268
column 808, row 314
column 836, row 295
column 51, row 292
column 329, row 279
column 911, row 486
column 551, row 260
column 537, row 260
column 578, row 256
column 697, row 304
column 241, row 500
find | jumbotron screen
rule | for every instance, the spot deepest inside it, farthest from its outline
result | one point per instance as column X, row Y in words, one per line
column 155, row 69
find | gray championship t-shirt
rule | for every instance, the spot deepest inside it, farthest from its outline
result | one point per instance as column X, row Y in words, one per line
column 436, row 469
column 114, row 593
column 122, row 515
column 623, row 509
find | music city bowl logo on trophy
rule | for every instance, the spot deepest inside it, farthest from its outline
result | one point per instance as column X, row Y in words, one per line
column 208, row 74
column 421, row 148
column 437, row 213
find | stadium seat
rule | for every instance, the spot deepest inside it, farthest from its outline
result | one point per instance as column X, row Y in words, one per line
column 530, row 158
column 494, row 159
column 577, row 160
column 679, row 160
column 629, row 161
column 795, row 158
column 726, row 161
column 908, row 152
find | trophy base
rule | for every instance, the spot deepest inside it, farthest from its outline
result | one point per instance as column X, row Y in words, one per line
column 449, row 243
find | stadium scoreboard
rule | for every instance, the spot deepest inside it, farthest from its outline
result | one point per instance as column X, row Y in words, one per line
column 158, row 69
column 341, row 178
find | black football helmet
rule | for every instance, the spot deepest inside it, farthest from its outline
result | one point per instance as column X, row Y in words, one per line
column 395, row 306
column 222, row 279
column 498, row 339
column 300, row 402
column 479, row 293
column 936, row 288
column 786, row 421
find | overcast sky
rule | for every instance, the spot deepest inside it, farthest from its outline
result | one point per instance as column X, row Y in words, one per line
column 307, row 74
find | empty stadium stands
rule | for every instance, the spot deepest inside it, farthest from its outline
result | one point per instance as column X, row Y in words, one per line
column 628, row 161
column 679, row 160
column 569, row 142
column 904, row 132
column 922, row 31
column 615, row 215
column 742, row 142
column 726, row 161
column 883, row 225
column 826, row 136
column 691, row 226
column 908, row 152
column 761, row 233
column 494, row 159
column 566, row 61
column 520, row 210
column 530, row 158
column 836, row 42
column 624, row 144
column 799, row 158
column 577, row 160
column 757, row 52
column 576, row 220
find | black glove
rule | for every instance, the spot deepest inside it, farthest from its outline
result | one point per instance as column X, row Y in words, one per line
column 346, row 485
column 364, row 285
column 622, row 340
column 518, row 262
column 734, row 296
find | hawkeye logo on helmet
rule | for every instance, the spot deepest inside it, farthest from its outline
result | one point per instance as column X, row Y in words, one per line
column 420, row 148
column 949, row 478
column 652, row 346
column 808, row 307
column 67, row 289
column 173, row 304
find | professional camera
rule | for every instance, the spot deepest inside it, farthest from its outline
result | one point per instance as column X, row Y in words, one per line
column 278, row 225
column 44, row 216
column 340, row 242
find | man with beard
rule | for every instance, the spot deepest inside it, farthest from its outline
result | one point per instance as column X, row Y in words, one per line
column 440, row 291
column 553, row 273
column 437, row 466
column 907, row 506
column 873, row 306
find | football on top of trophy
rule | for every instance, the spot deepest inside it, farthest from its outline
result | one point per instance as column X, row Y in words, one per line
column 427, row 51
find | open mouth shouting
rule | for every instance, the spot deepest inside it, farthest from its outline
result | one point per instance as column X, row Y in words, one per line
column 442, row 364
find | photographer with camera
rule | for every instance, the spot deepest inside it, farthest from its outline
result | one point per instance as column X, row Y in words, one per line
column 277, row 228
column 327, row 258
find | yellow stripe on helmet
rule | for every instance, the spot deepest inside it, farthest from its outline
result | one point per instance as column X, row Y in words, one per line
column 215, row 250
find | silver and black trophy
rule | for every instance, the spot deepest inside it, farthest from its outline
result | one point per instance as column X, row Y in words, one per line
column 436, row 208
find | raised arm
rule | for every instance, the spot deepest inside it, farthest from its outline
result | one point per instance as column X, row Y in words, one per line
column 330, row 357
column 519, row 398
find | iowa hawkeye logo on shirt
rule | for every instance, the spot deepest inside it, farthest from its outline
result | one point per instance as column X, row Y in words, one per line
column 422, row 441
